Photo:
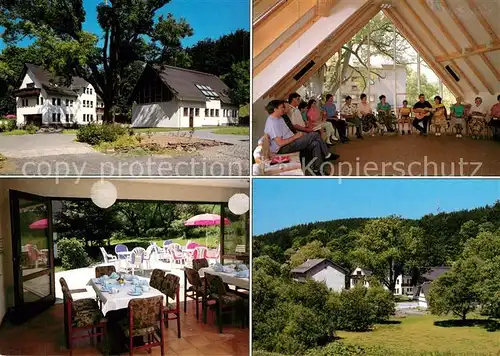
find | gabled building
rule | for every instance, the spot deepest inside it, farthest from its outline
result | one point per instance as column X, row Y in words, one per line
column 422, row 290
column 323, row 270
column 168, row 96
column 43, row 99
column 360, row 277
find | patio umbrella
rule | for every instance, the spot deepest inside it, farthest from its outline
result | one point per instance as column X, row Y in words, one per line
column 40, row 224
column 206, row 220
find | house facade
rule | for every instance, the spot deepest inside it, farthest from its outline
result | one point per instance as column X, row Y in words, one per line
column 174, row 97
column 427, row 278
column 404, row 286
column 42, row 99
column 322, row 270
column 360, row 277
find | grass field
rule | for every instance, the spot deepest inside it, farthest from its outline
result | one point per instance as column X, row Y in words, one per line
column 417, row 335
column 233, row 130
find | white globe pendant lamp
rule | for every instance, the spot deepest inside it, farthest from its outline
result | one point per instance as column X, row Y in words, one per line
column 239, row 204
column 103, row 194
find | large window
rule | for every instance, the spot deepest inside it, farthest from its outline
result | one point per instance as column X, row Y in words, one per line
column 207, row 91
column 153, row 90
column 186, row 111
column 236, row 237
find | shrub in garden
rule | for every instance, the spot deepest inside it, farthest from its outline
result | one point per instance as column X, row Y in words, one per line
column 351, row 310
column 382, row 302
column 72, row 253
column 95, row 134
column 31, row 129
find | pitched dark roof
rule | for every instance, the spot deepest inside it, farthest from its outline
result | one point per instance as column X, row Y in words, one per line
column 365, row 271
column 434, row 273
column 310, row 264
column 183, row 83
column 53, row 84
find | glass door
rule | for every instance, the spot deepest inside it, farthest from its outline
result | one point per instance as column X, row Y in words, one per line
column 33, row 254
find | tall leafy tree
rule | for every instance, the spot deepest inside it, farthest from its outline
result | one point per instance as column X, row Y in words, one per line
column 133, row 30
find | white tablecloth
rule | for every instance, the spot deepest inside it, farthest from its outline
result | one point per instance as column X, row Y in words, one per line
column 228, row 278
column 121, row 299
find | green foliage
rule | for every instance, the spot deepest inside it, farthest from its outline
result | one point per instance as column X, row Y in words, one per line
column 238, row 79
column 72, row 253
column 267, row 265
column 31, row 129
column 311, row 250
column 382, row 302
column 352, row 310
column 7, row 125
column 95, row 134
column 337, row 349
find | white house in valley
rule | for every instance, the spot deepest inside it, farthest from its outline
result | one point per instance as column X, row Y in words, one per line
column 403, row 283
column 42, row 99
column 322, row 270
column 427, row 278
column 360, row 276
column 168, row 96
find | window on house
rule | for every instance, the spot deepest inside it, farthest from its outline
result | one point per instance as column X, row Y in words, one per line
column 67, row 117
column 217, row 112
column 30, row 85
column 91, row 104
column 197, row 112
column 72, row 117
column 90, row 91
column 58, row 117
column 67, row 102
column 71, row 103
column 38, row 101
column 207, row 91
column 54, row 101
column 53, row 117
column 41, row 100
column 212, row 112
column 206, row 112
column 91, row 117
column 58, row 101
column 397, row 281
column 397, row 290
column 186, row 111
column 191, row 112
column 359, row 273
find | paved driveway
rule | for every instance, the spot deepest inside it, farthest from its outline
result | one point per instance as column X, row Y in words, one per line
column 58, row 154
column 41, row 145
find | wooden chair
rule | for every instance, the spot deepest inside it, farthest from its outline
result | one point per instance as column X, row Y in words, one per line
column 196, row 289
column 144, row 318
column 263, row 157
column 200, row 263
column 78, row 318
column 215, row 290
column 156, row 279
column 170, row 287
column 104, row 271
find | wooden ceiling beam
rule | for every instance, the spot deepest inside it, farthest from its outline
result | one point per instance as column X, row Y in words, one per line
column 455, row 44
column 483, row 21
column 470, row 51
column 471, row 40
column 423, row 50
column 432, row 38
column 324, row 7
column 275, row 24
column 283, row 86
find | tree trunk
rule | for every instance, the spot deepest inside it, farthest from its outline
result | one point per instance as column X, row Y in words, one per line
column 108, row 114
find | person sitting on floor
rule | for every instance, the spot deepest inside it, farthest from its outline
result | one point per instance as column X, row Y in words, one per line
column 349, row 112
column 330, row 114
column 457, row 113
column 477, row 118
column 439, row 115
column 422, row 110
column 283, row 140
column 316, row 122
column 495, row 119
column 384, row 114
column 365, row 113
column 404, row 118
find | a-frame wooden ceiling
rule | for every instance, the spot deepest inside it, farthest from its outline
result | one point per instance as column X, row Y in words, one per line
column 461, row 34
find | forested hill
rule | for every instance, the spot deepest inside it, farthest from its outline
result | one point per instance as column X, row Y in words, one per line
column 444, row 233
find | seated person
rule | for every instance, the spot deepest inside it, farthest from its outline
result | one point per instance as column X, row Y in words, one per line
column 495, row 119
column 457, row 113
column 283, row 140
column 303, row 110
column 330, row 114
column 439, row 114
column 384, row 113
column 404, row 118
column 315, row 120
column 349, row 112
column 422, row 110
column 365, row 113
column 477, row 118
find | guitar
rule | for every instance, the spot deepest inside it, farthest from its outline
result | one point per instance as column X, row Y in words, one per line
column 423, row 112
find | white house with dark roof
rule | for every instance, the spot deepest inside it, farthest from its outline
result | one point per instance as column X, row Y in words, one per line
column 430, row 276
column 168, row 96
column 322, row 270
column 43, row 99
column 403, row 283
column 360, row 276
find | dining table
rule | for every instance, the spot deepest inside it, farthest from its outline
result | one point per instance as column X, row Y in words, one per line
column 120, row 300
column 227, row 277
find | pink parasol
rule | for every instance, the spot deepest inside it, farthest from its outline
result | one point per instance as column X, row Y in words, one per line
column 10, row 116
column 205, row 220
column 40, row 224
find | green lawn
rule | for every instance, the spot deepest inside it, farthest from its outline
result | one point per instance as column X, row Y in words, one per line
column 418, row 335
column 16, row 132
column 233, row 130
column 130, row 242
